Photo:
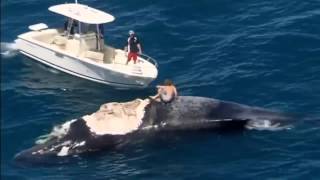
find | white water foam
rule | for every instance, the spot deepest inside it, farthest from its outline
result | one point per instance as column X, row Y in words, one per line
column 8, row 49
column 47, row 68
column 58, row 132
column 267, row 125
column 54, row 71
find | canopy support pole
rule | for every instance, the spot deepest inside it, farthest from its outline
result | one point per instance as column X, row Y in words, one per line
column 80, row 38
column 98, row 37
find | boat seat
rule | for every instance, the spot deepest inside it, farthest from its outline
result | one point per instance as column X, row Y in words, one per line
column 59, row 40
column 96, row 56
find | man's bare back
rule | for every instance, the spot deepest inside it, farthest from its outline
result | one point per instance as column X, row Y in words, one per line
column 166, row 93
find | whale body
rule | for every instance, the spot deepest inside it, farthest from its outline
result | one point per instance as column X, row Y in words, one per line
column 117, row 123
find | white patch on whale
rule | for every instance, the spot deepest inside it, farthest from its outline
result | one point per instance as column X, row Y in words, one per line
column 150, row 127
column 53, row 148
column 117, row 118
column 64, row 151
column 79, row 144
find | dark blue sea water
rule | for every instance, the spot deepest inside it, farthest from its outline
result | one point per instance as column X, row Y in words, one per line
column 259, row 53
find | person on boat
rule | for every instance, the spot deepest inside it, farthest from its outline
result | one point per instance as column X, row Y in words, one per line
column 166, row 93
column 133, row 47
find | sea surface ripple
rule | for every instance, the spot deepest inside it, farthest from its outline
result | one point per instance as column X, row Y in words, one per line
column 259, row 53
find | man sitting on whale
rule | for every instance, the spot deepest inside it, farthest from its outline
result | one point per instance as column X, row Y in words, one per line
column 166, row 93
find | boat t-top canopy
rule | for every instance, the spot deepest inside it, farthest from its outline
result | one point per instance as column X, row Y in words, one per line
column 82, row 13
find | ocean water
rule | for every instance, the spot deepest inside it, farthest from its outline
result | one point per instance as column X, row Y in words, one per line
column 259, row 53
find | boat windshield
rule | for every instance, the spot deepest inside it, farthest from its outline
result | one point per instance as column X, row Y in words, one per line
column 88, row 28
column 72, row 27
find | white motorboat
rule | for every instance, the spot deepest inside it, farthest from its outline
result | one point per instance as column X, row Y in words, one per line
column 78, row 48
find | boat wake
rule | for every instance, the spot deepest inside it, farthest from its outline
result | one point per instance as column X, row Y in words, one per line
column 8, row 50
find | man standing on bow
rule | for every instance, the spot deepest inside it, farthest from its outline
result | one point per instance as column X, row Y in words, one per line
column 133, row 47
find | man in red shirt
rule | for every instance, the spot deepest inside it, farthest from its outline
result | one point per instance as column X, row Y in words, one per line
column 133, row 47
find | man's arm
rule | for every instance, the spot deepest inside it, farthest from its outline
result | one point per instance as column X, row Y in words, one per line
column 126, row 49
column 139, row 47
column 175, row 91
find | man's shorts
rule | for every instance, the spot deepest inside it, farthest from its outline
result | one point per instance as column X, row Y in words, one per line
column 133, row 55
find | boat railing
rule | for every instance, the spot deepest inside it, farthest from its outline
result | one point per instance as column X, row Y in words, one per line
column 142, row 56
column 149, row 59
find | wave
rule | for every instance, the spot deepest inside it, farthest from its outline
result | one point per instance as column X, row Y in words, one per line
column 8, row 49
column 48, row 68
column 267, row 125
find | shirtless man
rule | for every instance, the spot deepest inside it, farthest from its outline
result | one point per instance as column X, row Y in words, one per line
column 166, row 93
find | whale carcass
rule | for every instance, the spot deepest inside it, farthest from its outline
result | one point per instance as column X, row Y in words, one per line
column 115, row 123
